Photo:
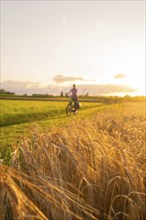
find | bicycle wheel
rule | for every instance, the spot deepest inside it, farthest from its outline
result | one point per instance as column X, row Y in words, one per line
column 69, row 110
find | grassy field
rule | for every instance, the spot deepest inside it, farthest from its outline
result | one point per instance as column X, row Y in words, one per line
column 92, row 167
column 16, row 116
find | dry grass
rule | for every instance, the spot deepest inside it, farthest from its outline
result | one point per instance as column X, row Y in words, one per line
column 92, row 169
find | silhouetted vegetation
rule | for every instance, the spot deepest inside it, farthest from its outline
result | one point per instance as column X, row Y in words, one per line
column 43, row 95
column 3, row 91
column 86, row 97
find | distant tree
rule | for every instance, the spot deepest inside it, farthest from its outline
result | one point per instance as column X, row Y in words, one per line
column 66, row 94
column 3, row 91
column 61, row 94
column 127, row 96
column 87, row 94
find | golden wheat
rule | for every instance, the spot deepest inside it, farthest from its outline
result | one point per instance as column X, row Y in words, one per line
column 90, row 169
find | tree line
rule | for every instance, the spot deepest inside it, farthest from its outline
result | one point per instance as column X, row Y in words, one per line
column 3, row 91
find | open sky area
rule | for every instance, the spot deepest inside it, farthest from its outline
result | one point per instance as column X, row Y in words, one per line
column 46, row 46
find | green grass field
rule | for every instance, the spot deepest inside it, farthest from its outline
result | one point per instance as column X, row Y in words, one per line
column 16, row 116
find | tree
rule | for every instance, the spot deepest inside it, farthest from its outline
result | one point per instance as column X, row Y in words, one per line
column 3, row 91
column 61, row 94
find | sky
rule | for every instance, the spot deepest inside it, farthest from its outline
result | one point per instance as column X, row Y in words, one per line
column 46, row 46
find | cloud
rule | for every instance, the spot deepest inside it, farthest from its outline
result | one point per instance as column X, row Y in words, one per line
column 62, row 78
column 19, row 87
column 29, row 88
column 93, row 89
column 107, row 89
column 120, row 76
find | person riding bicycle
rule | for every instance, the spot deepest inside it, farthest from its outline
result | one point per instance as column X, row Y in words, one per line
column 74, row 97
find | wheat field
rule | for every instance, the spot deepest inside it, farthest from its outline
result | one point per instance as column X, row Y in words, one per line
column 92, row 168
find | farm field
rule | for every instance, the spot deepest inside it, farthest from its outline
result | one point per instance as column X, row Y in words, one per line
column 16, row 116
column 92, row 167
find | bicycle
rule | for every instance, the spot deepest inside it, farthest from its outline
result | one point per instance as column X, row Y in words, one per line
column 72, row 107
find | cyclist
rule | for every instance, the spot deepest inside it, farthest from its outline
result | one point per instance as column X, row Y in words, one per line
column 73, row 96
